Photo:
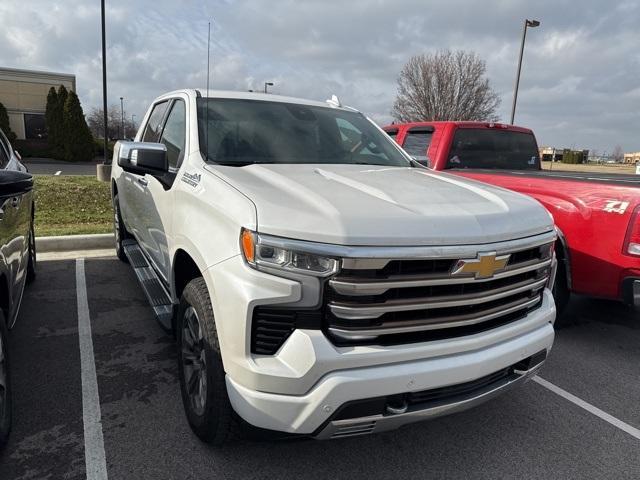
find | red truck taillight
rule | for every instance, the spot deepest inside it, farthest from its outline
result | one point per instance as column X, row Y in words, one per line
column 632, row 240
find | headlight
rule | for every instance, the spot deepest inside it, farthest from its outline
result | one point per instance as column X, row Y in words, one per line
column 260, row 254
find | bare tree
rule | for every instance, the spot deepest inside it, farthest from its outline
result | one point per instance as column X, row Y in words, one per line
column 618, row 154
column 95, row 120
column 445, row 86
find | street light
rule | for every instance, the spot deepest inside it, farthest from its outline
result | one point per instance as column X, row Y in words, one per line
column 122, row 117
column 527, row 23
column 133, row 122
column 267, row 84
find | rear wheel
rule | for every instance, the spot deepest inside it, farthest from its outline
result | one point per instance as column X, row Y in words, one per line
column 119, row 230
column 31, row 266
column 202, row 376
column 5, row 385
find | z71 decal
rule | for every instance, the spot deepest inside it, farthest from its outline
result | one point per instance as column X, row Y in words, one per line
column 192, row 179
column 615, row 206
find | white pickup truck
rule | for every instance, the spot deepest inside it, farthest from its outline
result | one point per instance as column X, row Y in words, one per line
column 319, row 281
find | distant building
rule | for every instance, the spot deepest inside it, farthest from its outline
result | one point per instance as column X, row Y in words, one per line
column 24, row 95
column 633, row 157
column 553, row 154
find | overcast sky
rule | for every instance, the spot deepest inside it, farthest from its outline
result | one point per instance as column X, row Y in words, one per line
column 580, row 83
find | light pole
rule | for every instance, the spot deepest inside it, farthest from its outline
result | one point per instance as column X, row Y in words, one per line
column 122, row 117
column 267, row 84
column 133, row 122
column 527, row 23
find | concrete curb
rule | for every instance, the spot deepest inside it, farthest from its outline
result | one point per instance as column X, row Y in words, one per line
column 68, row 243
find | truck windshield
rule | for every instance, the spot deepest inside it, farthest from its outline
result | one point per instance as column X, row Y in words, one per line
column 495, row 149
column 241, row 132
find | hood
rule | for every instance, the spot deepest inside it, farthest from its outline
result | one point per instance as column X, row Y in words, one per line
column 376, row 205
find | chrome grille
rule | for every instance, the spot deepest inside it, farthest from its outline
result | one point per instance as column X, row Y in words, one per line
column 382, row 300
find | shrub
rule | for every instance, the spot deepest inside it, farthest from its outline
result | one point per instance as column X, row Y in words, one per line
column 53, row 121
column 4, row 124
column 32, row 148
column 77, row 139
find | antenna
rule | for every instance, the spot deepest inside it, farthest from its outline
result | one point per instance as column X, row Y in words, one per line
column 206, row 115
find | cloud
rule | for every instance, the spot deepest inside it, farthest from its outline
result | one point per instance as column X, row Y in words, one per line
column 579, row 78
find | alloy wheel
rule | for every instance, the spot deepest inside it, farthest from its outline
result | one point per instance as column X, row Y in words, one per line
column 194, row 361
column 116, row 223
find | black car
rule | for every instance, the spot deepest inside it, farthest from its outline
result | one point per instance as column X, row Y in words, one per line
column 17, row 260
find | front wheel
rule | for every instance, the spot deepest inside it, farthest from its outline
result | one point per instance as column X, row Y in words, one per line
column 561, row 294
column 120, row 232
column 5, row 385
column 202, row 376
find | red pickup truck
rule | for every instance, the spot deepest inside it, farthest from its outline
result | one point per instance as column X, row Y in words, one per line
column 597, row 215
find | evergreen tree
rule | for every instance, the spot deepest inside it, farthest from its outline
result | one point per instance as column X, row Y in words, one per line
column 4, row 124
column 78, row 142
column 59, row 146
column 53, row 120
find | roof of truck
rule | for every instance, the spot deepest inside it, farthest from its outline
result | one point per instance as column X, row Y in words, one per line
column 265, row 97
column 461, row 124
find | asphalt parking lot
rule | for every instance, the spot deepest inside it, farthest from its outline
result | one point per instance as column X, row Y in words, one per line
column 531, row 432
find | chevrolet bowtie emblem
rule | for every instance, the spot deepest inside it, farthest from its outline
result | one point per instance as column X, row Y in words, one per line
column 486, row 265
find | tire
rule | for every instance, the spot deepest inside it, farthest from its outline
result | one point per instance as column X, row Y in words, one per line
column 119, row 230
column 31, row 266
column 202, row 377
column 561, row 293
column 5, row 384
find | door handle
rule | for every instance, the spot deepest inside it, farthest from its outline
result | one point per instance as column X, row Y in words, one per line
column 143, row 182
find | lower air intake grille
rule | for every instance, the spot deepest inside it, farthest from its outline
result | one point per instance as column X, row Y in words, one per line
column 271, row 327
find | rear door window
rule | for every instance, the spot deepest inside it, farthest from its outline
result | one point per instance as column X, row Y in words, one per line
column 154, row 124
column 416, row 143
column 494, row 149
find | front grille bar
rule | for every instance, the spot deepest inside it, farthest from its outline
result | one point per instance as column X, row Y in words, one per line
column 344, row 286
column 374, row 310
column 437, row 323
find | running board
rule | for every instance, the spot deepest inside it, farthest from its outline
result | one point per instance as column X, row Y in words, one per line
column 151, row 285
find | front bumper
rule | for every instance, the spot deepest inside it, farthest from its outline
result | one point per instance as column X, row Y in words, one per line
column 300, row 388
column 306, row 414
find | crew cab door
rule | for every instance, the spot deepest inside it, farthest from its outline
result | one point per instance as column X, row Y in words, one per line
column 157, row 196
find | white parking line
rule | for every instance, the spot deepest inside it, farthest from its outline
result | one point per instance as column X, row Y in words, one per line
column 94, row 455
column 58, row 172
column 625, row 427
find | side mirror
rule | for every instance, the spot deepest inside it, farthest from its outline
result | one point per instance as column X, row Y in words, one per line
column 142, row 157
column 13, row 182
